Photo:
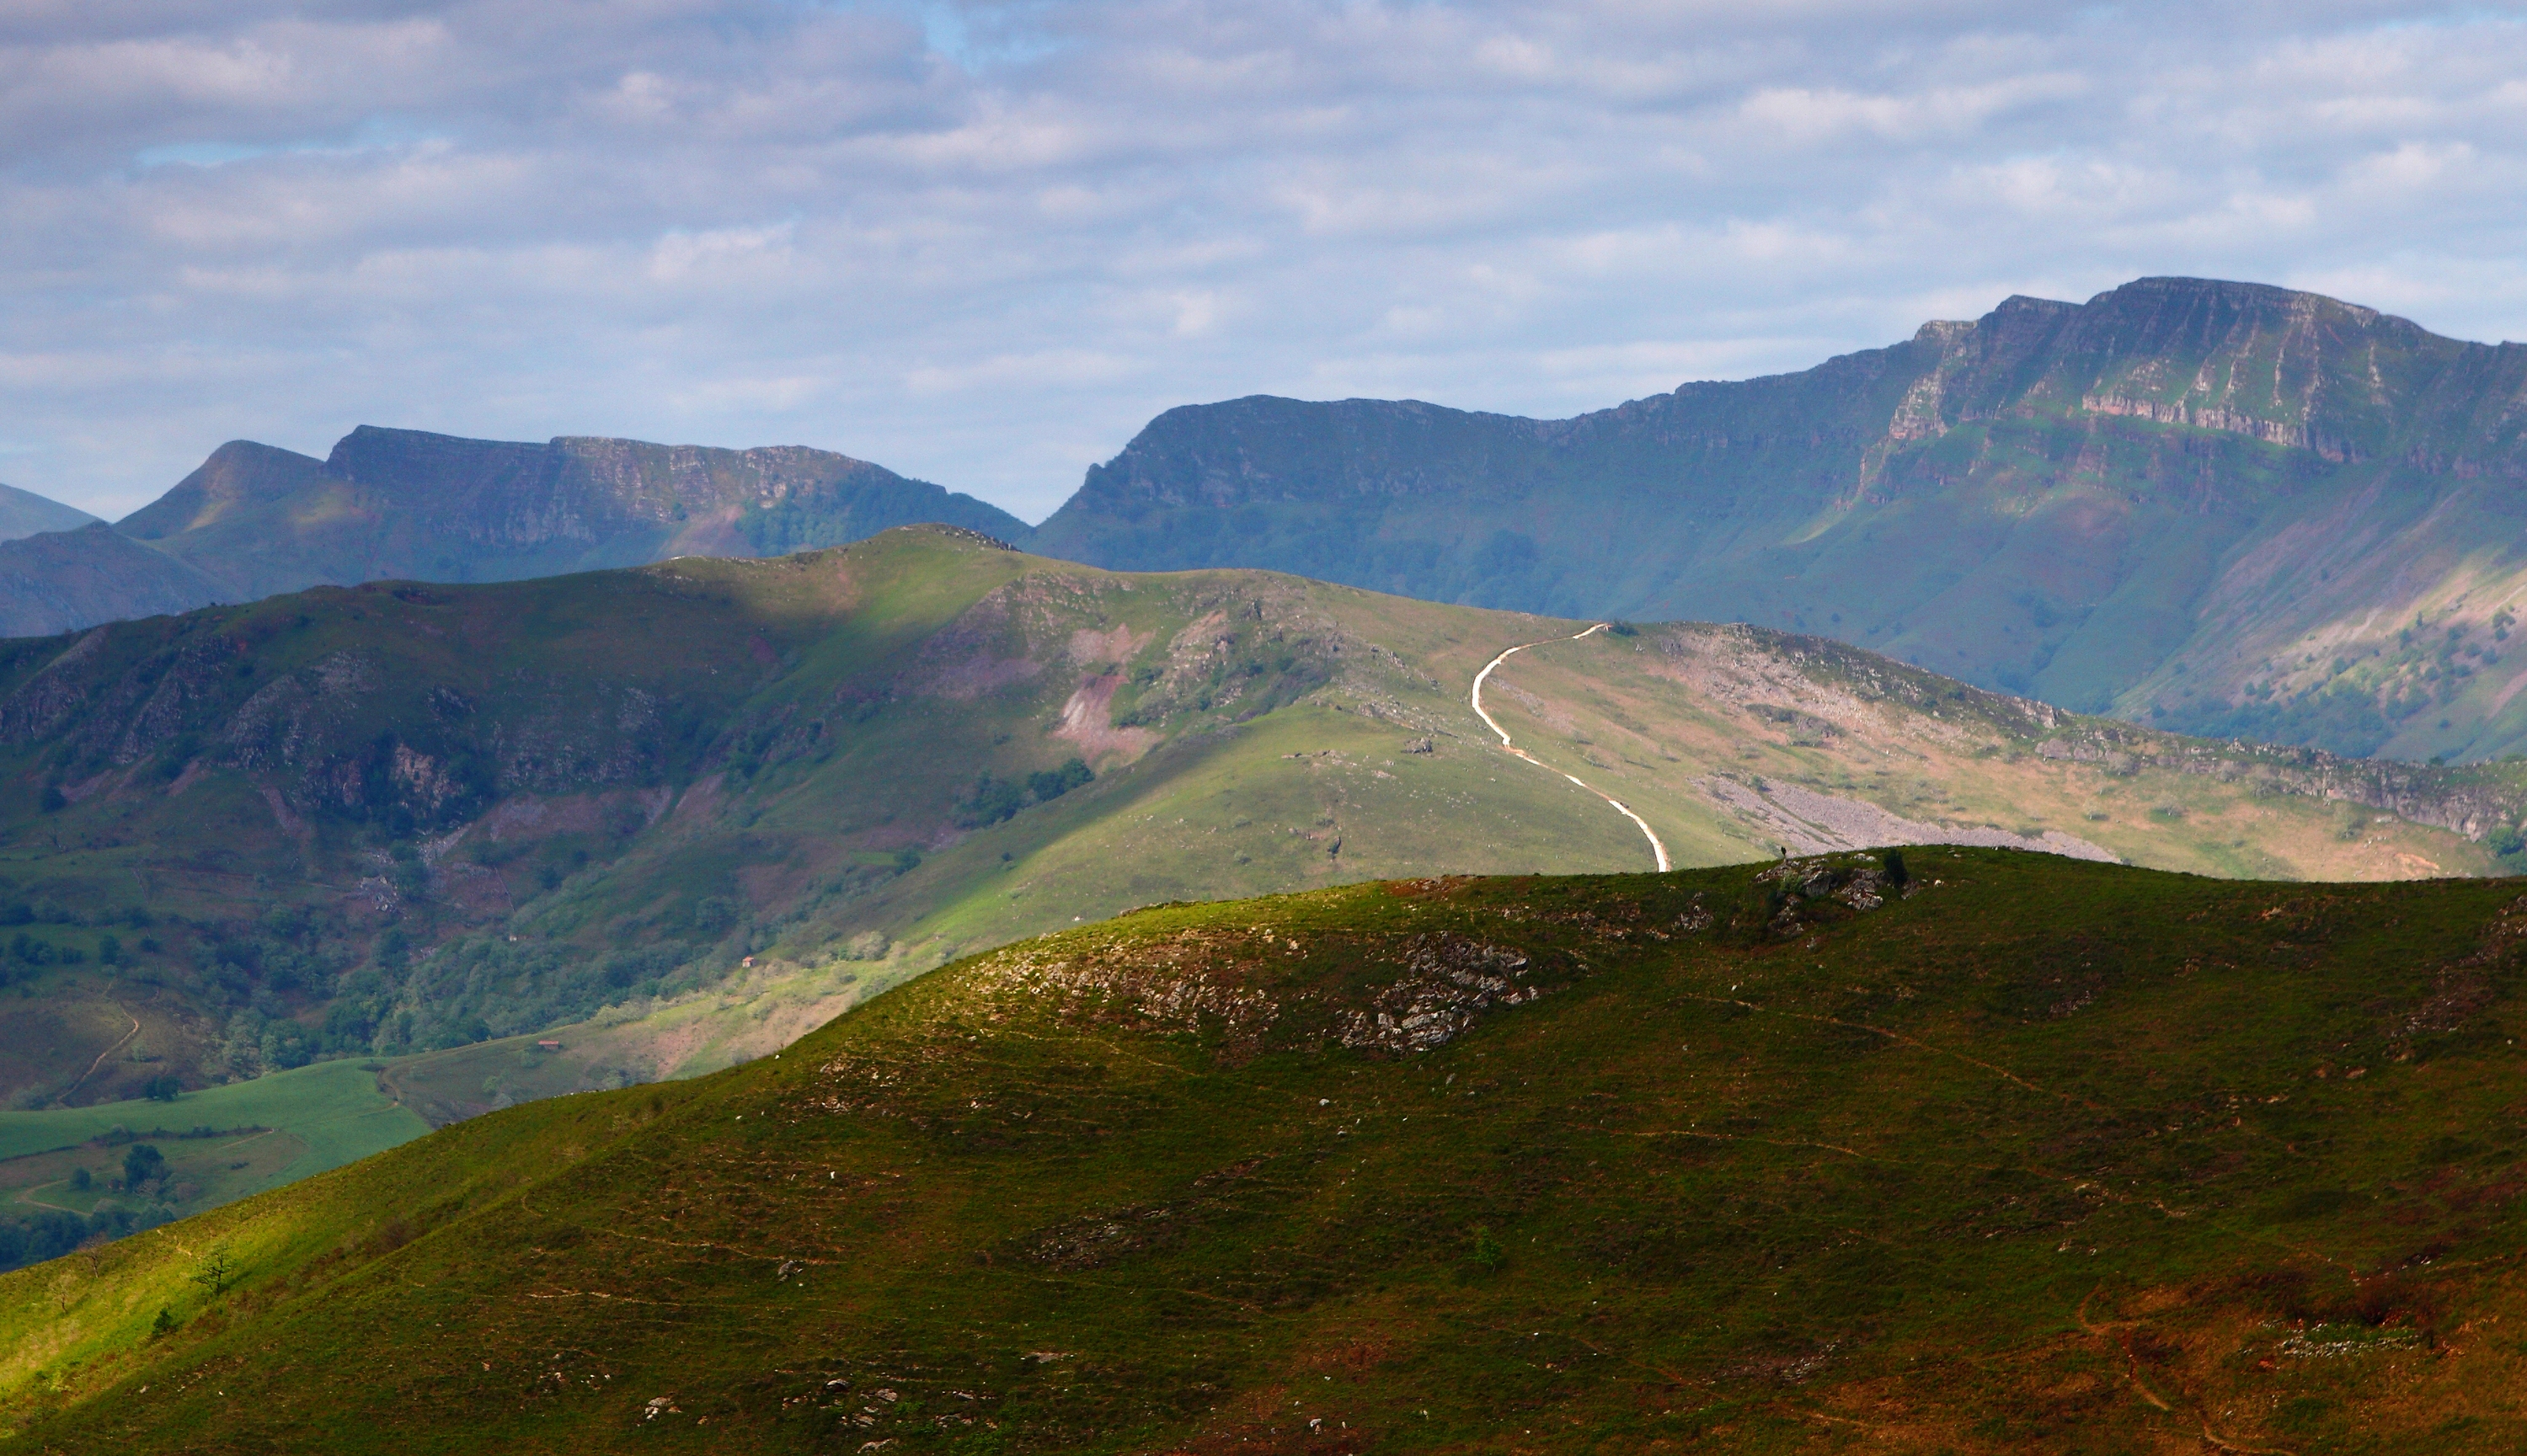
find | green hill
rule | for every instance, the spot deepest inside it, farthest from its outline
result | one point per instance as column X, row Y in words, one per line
column 2220, row 507
column 689, row 812
column 2016, row 1153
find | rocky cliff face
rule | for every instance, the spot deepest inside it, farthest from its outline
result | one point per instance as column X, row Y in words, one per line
column 2219, row 506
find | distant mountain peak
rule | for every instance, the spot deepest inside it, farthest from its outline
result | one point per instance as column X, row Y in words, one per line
column 2199, row 500
column 23, row 512
column 239, row 474
column 253, row 520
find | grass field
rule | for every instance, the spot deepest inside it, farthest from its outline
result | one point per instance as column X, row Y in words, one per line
column 2030, row 1154
column 334, row 1110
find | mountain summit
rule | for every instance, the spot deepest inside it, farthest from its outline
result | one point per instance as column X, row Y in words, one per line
column 2220, row 506
column 254, row 520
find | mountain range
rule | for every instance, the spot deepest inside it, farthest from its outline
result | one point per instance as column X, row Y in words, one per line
column 254, row 520
column 2221, row 507
column 1946, row 1147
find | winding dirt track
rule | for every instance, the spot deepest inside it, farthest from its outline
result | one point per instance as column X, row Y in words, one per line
column 1656, row 847
column 64, row 1099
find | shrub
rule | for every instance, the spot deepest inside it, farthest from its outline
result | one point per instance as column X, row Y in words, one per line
column 141, row 1162
column 1053, row 783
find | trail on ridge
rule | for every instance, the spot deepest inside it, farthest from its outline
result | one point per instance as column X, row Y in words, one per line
column 1656, row 846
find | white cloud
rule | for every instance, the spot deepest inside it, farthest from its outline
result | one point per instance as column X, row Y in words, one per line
column 983, row 242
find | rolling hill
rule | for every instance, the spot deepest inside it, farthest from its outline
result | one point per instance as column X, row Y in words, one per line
column 2220, row 507
column 711, row 802
column 1989, row 1151
column 512, row 841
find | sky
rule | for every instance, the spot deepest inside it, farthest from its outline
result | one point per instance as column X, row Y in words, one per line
column 983, row 243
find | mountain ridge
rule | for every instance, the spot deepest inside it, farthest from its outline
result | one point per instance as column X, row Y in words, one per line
column 2232, row 508
column 23, row 512
column 254, row 520
column 2111, row 505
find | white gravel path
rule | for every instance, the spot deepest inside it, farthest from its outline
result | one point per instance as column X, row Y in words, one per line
column 1657, row 848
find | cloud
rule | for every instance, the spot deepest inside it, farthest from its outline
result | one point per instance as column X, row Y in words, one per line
column 982, row 241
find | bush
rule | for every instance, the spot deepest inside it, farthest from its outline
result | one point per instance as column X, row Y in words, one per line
column 1053, row 783
column 995, row 799
column 992, row 801
column 1896, row 875
column 163, row 1088
column 140, row 1163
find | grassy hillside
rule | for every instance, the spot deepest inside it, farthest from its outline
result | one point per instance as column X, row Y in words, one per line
column 2021, row 1153
column 688, row 812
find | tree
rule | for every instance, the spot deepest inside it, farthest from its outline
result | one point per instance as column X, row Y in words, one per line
column 1896, row 875
column 216, row 1270
column 141, row 1162
column 164, row 1324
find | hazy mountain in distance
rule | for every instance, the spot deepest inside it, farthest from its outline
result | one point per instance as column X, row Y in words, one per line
column 403, row 503
column 254, row 520
column 23, row 512
column 2221, row 507
column 59, row 580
